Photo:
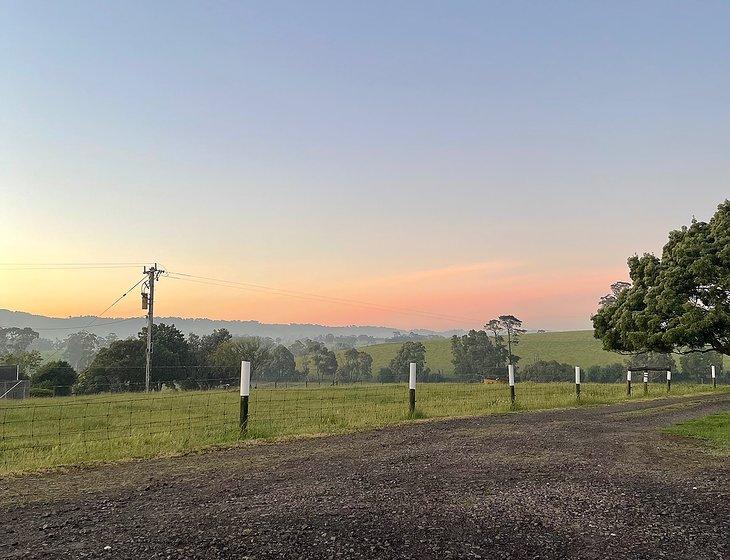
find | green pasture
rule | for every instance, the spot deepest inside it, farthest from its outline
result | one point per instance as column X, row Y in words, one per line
column 578, row 348
column 571, row 347
column 49, row 432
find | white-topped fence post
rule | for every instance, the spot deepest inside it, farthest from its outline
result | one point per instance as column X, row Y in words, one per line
column 577, row 382
column 412, row 389
column 245, row 392
column 628, row 383
column 511, row 381
column 646, row 383
column 714, row 377
column 669, row 381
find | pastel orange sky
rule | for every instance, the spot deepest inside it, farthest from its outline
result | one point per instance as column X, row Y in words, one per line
column 468, row 160
column 467, row 294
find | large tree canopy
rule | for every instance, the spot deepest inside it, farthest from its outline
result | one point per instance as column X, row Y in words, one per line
column 680, row 302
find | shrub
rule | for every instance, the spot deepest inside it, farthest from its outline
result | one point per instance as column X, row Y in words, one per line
column 544, row 371
column 59, row 375
column 386, row 375
column 610, row 373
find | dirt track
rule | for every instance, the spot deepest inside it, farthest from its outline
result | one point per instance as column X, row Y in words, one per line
column 591, row 483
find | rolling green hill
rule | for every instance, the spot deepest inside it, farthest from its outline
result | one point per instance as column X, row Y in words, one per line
column 572, row 347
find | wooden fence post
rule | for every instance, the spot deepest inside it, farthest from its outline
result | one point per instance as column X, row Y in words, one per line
column 412, row 389
column 628, row 383
column 245, row 392
column 511, row 380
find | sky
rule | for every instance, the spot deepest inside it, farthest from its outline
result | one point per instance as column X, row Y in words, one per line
column 444, row 162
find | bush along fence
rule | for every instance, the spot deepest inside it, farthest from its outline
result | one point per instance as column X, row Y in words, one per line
column 63, row 430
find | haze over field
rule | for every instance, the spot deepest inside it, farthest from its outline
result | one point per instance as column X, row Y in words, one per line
column 465, row 159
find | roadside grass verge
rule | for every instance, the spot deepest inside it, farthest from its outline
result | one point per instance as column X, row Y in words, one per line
column 713, row 430
column 44, row 433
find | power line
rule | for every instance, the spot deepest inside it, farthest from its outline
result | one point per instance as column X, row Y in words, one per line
column 314, row 297
column 73, row 264
column 325, row 299
column 81, row 327
column 118, row 300
column 10, row 266
column 97, row 317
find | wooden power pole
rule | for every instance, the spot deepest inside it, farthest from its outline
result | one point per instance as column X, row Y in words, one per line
column 148, row 302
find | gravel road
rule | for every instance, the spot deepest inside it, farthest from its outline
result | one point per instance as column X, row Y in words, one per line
column 589, row 483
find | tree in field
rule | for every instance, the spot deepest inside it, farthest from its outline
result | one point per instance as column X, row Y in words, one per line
column 280, row 364
column 228, row 356
column 475, row 353
column 410, row 352
column 81, row 348
column 697, row 366
column 325, row 364
column 319, row 358
column 679, row 303
column 202, row 347
column 119, row 366
column 16, row 339
column 365, row 370
column 512, row 327
column 171, row 357
column 59, row 376
column 356, row 366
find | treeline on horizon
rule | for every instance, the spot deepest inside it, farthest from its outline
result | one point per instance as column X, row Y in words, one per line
column 91, row 364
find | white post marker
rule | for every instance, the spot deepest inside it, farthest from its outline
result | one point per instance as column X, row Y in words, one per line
column 714, row 377
column 669, row 380
column 412, row 388
column 646, row 382
column 577, row 381
column 245, row 392
column 628, row 383
column 511, row 380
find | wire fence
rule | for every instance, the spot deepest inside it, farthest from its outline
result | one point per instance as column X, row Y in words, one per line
column 120, row 420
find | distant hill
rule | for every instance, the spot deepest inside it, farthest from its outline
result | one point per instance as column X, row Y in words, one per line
column 571, row 347
column 58, row 327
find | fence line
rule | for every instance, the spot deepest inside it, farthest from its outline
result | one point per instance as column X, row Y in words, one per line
column 40, row 432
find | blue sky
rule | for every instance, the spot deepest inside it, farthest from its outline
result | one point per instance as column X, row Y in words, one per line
column 326, row 146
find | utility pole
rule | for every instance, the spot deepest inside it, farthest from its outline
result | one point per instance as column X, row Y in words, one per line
column 148, row 301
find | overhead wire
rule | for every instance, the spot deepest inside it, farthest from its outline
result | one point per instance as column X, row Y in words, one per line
column 75, row 327
column 97, row 317
column 65, row 266
column 313, row 297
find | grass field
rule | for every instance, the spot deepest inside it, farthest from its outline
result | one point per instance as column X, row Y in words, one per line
column 43, row 433
column 714, row 429
column 578, row 348
column 571, row 347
